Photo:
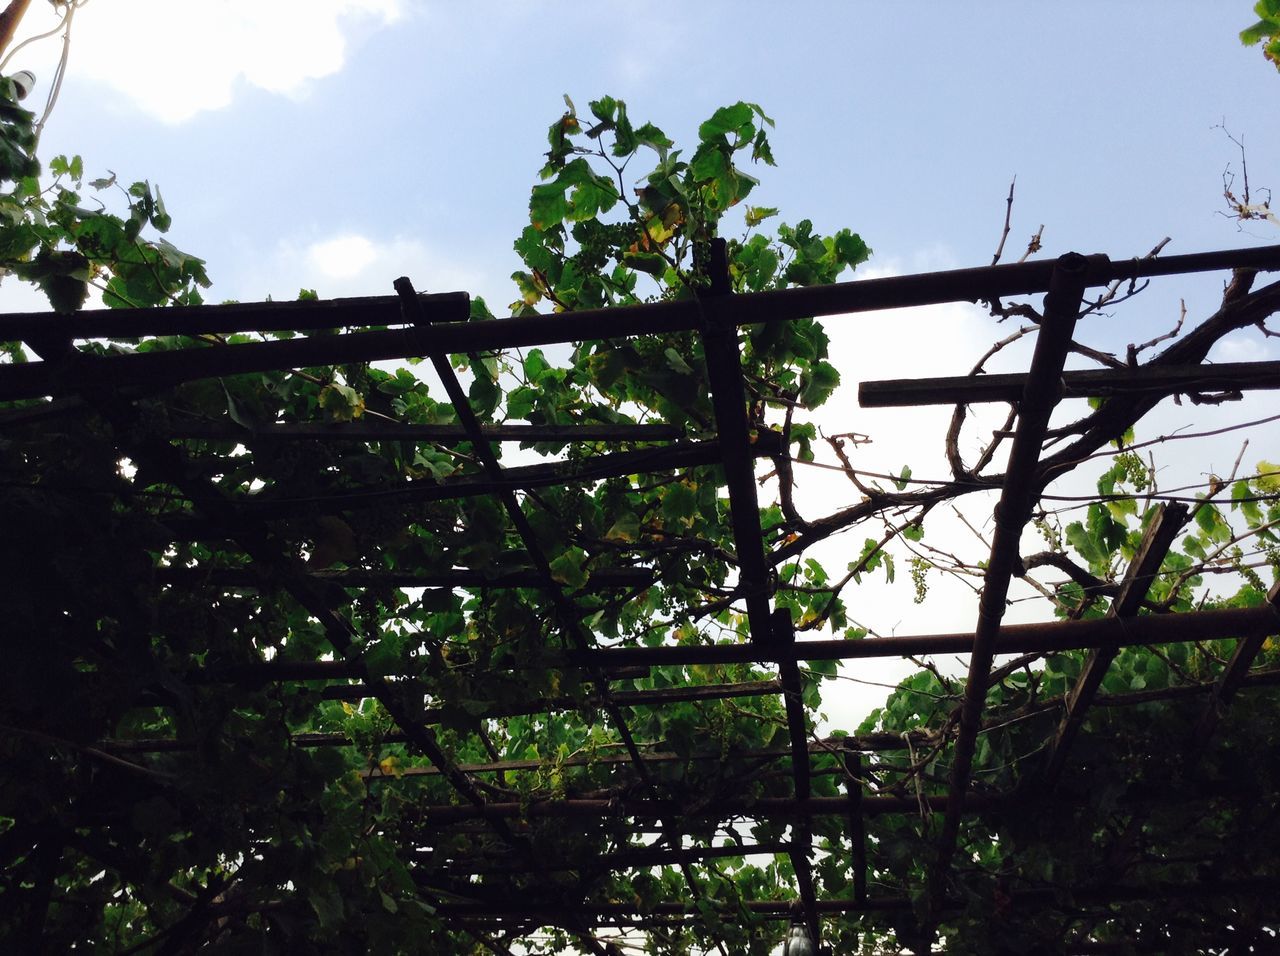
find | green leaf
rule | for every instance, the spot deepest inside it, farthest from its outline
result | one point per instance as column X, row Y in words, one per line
column 649, row 135
column 159, row 217
column 326, row 900
column 626, row 529
column 548, row 206
column 570, row 568
column 1211, row 522
column 818, row 385
column 341, row 403
column 521, row 401
column 760, row 149
column 679, row 505
column 604, row 108
column 850, row 250
column 1268, row 480
column 649, row 262
column 535, row 363
column 727, row 119
column 1251, row 36
column 710, row 164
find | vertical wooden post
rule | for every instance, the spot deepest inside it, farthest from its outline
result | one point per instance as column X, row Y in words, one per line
column 9, row 21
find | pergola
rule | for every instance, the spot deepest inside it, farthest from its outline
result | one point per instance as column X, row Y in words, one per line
column 71, row 382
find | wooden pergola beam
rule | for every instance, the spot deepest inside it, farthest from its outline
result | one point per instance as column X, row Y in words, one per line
column 383, row 431
column 851, row 746
column 1094, row 894
column 248, row 578
column 763, row 808
column 1234, row 675
column 729, row 399
column 1091, row 383
column 1071, row 276
column 1013, row 639
column 1164, row 527
column 36, row 379
column 801, row 850
column 750, row 308
column 627, row 858
column 520, row 477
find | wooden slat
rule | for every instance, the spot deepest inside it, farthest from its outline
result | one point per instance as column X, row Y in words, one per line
column 1062, row 304
column 1090, row 383
column 1157, row 540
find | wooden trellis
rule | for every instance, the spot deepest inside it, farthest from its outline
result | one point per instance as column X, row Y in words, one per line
column 69, row 382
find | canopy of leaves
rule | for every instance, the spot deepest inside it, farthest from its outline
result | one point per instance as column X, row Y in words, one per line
column 1266, row 31
column 229, row 600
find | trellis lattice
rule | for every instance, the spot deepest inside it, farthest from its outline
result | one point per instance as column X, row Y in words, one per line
column 464, row 849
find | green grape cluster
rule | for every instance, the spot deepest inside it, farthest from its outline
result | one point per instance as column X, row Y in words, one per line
column 1134, row 470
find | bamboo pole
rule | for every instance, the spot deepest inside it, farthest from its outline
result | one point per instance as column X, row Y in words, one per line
column 9, row 21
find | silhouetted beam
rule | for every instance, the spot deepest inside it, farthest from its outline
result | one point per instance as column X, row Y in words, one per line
column 1091, row 383
column 624, row 859
column 857, row 824
column 247, row 577
column 542, row 475
column 623, row 698
column 34, row 379
column 729, row 398
column 763, row 808
column 1087, row 895
column 1157, row 540
column 302, row 316
column 1061, row 306
column 859, row 295
column 783, row 636
column 375, row 430
column 1013, row 639
column 1234, row 674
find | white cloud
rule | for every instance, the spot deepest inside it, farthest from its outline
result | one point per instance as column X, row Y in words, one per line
column 352, row 264
column 174, row 60
column 343, row 258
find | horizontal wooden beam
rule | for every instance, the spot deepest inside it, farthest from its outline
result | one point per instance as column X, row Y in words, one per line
column 685, row 693
column 190, row 320
column 375, row 430
column 1089, row 383
column 1013, row 639
column 249, row 579
column 621, row 859
column 1087, row 895
column 860, row 743
column 764, row 808
column 34, row 379
column 254, row 508
column 860, row 295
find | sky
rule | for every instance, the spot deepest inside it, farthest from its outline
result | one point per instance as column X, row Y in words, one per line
column 338, row 144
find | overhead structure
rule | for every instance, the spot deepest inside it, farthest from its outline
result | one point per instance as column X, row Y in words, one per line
column 821, row 792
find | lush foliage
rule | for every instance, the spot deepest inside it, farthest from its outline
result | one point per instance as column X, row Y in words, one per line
column 1266, row 31
column 51, row 238
column 1142, row 805
column 132, row 617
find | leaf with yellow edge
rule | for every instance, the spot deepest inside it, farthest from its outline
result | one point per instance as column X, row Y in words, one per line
column 341, row 403
column 1268, row 479
column 390, row 766
column 568, row 569
column 626, row 529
